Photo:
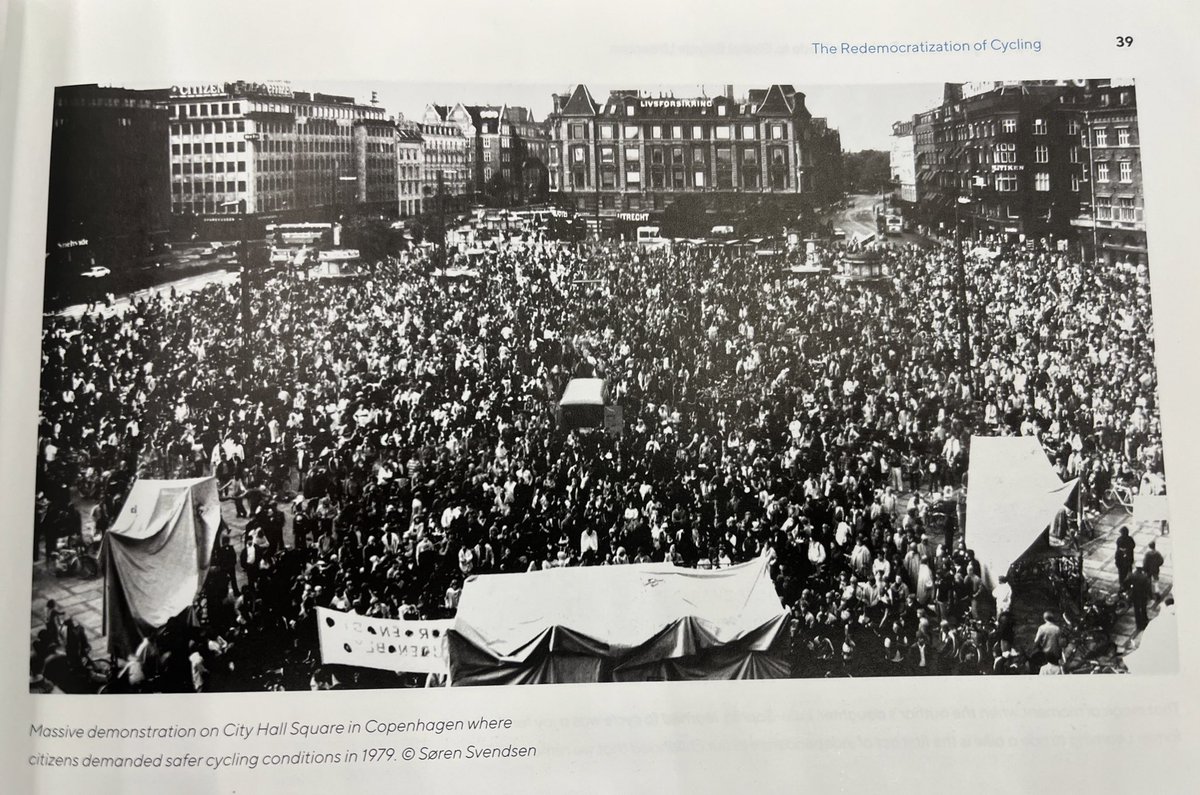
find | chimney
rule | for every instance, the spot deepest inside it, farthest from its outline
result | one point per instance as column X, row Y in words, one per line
column 729, row 91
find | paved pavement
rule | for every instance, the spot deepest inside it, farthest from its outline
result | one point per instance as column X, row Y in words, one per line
column 184, row 285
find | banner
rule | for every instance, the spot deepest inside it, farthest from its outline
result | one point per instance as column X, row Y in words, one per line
column 387, row 644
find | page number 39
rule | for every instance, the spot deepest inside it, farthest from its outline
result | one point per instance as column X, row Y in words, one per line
column 1124, row 41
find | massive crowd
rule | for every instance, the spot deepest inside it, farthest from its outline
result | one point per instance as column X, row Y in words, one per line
column 402, row 426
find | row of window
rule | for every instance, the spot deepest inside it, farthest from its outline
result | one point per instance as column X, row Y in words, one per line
column 693, row 132
column 219, row 167
column 219, row 147
column 208, row 128
column 208, row 109
column 1124, row 171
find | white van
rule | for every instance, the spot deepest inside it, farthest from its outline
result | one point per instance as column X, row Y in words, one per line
column 650, row 238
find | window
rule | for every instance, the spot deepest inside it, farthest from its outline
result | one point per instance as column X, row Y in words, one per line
column 677, row 132
column 697, row 132
column 656, row 131
column 1102, row 136
column 698, row 156
column 722, row 132
column 747, row 132
column 174, row 149
column 677, row 156
column 749, row 156
column 1073, row 127
column 208, row 149
column 207, row 127
column 631, row 132
column 1005, row 153
column 204, row 110
column 1006, row 183
column 698, row 179
column 1073, row 154
column 1102, row 172
column 1126, row 171
column 220, row 148
column 1076, row 183
column 1041, row 181
column 776, row 132
column 1126, row 209
column 1039, row 127
column 578, row 155
column 1008, row 125
column 1104, row 208
column 241, row 147
column 1041, row 153
column 1122, row 136
column 722, row 110
column 577, row 131
column 629, row 110
column 608, row 178
column 608, row 155
column 632, row 154
column 608, row 131
column 633, row 178
column 1124, row 97
column 175, row 168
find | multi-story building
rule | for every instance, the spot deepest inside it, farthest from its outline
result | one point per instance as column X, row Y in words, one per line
column 109, row 195
column 375, row 165
column 446, row 155
column 636, row 153
column 1111, row 220
column 410, row 169
column 505, row 151
column 262, row 148
column 523, row 154
column 903, row 162
column 1001, row 158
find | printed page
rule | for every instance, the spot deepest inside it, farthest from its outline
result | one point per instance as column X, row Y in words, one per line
column 628, row 398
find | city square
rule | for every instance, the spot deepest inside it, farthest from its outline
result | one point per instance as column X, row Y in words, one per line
column 371, row 328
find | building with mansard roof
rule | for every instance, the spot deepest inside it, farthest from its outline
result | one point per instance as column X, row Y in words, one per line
column 634, row 154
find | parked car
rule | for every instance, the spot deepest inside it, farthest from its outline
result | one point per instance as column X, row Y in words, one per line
column 97, row 272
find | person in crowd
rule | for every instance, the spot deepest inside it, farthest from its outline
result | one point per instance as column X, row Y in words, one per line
column 405, row 420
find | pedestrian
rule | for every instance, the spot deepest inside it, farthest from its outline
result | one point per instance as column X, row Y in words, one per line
column 1141, row 590
column 1124, row 559
column 1152, row 563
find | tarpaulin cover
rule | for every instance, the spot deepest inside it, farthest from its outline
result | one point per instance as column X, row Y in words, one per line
column 156, row 555
column 623, row 623
column 1012, row 496
column 1158, row 648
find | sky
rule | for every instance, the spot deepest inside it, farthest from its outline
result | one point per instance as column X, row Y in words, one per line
column 862, row 113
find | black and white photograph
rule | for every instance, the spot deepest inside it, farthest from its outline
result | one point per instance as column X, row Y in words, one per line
column 407, row 385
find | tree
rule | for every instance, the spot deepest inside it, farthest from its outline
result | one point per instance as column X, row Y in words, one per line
column 686, row 216
column 868, row 171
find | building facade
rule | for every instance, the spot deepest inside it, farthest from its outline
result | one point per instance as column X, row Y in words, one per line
column 637, row 153
column 410, row 169
column 446, row 155
column 903, row 162
column 1012, row 158
column 109, row 198
column 263, row 148
column 375, row 165
column 1111, row 221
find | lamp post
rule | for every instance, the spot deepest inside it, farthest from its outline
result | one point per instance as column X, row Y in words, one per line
column 964, row 342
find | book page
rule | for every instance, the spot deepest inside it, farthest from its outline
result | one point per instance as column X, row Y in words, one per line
column 749, row 396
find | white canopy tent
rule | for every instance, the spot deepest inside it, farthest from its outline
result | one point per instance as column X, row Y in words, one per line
column 1012, row 496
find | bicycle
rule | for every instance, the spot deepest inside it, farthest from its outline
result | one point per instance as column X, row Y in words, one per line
column 74, row 558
